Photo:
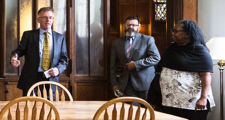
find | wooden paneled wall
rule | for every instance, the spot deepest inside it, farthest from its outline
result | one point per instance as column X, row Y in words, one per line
column 190, row 10
column 90, row 43
column 2, row 39
column 144, row 10
column 180, row 10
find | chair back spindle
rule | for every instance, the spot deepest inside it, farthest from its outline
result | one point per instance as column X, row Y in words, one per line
column 126, row 108
column 51, row 94
column 44, row 92
column 24, row 103
column 114, row 113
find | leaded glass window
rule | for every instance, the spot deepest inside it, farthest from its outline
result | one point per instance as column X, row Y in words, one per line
column 160, row 10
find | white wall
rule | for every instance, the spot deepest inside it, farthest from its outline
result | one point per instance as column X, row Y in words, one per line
column 211, row 20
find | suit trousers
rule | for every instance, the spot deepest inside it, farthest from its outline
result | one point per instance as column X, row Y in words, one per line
column 130, row 91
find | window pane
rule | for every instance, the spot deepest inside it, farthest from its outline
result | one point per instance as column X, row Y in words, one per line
column 96, row 38
column 43, row 3
column 11, row 37
column 59, row 24
column 159, row 1
column 81, row 38
column 25, row 16
column 160, row 11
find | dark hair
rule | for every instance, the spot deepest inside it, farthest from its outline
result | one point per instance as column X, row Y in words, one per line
column 45, row 9
column 194, row 32
column 132, row 18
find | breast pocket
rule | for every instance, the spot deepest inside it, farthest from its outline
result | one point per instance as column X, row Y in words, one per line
column 140, row 52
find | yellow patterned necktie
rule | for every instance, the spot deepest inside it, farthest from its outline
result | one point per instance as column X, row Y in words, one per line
column 46, row 53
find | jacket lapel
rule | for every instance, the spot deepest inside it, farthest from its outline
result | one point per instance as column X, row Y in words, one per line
column 136, row 43
column 36, row 40
column 122, row 47
column 54, row 46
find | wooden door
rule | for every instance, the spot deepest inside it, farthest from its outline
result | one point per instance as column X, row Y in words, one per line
column 90, row 49
column 145, row 11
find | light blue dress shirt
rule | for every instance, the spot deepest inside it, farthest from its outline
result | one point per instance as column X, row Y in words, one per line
column 41, row 40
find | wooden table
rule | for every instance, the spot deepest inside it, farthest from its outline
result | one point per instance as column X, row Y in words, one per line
column 85, row 110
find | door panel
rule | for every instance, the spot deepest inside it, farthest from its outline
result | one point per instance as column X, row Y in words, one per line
column 96, row 38
column 12, row 91
column 11, row 36
column 81, row 37
column 91, row 42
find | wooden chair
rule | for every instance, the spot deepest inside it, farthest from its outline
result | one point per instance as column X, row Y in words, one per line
column 121, row 100
column 40, row 107
column 58, row 95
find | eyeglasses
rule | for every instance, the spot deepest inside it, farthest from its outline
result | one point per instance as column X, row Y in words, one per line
column 175, row 30
column 45, row 17
column 133, row 25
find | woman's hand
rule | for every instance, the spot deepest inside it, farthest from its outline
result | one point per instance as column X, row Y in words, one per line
column 201, row 103
column 206, row 78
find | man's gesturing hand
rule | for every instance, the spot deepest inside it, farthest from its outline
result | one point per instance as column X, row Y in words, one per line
column 14, row 61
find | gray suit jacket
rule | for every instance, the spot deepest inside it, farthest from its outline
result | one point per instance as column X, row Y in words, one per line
column 29, row 46
column 145, row 55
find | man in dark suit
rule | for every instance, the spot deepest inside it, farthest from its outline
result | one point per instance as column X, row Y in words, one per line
column 137, row 55
column 44, row 49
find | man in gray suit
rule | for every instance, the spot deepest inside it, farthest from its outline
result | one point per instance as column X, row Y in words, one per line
column 33, row 45
column 137, row 55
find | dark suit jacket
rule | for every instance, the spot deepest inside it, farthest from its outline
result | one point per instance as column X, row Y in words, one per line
column 145, row 55
column 29, row 46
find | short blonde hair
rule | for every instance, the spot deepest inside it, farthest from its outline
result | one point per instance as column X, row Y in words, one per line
column 45, row 9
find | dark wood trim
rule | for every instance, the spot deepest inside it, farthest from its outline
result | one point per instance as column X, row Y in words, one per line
column 151, row 11
column 119, row 18
column 68, row 32
column 107, row 46
column 89, row 41
column 2, row 36
column 135, row 8
column 174, row 15
column 91, row 80
column 69, row 43
column 35, row 14
column 178, row 10
column 18, row 36
column 51, row 3
column 72, row 38
column 169, row 21
column 106, row 36
column 197, row 11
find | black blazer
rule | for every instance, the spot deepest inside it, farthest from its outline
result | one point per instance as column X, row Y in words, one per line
column 29, row 46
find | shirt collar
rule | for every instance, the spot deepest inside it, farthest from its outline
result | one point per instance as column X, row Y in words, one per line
column 43, row 31
column 127, row 38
